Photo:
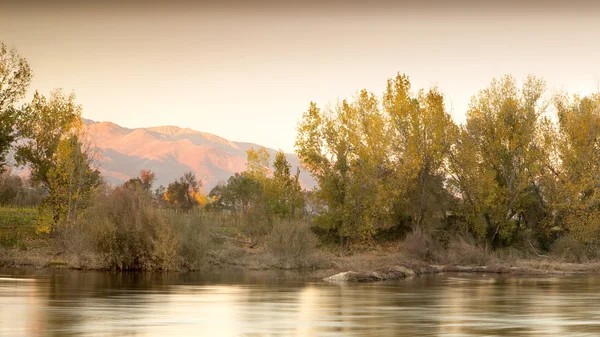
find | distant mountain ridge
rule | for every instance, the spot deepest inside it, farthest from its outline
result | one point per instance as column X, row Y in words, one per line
column 170, row 151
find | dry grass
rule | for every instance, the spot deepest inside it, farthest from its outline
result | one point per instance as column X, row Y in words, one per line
column 292, row 243
column 570, row 250
column 422, row 246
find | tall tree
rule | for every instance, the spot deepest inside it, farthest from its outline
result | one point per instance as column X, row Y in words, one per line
column 576, row 194
column 42, row 124
column 283, row 190
column 420, row 131
column 496, row 160
column 72, row 181
column 15, row 76
column 56, row 150
column 344, row 149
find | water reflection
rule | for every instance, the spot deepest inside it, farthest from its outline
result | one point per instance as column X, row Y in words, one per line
column 69, row 303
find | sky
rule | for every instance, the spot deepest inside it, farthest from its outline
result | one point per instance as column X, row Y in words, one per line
column 247, row 70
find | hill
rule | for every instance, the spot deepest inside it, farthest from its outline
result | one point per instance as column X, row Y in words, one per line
column 170, row 151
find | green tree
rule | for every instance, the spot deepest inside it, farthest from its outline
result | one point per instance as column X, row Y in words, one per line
column 241, row 193
column 15, row 76
column 42, row 124
column 72, row 181
column 59, row 157
column 283, row 190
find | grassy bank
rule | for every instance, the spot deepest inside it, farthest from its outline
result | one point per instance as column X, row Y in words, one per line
column 17, row 225
column 230, row 240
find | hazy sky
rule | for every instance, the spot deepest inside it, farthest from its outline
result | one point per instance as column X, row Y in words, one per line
column 247, row 70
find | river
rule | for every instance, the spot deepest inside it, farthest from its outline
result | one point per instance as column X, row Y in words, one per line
column 237, row 303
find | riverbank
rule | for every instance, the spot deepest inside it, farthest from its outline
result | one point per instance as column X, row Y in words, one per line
column 380, row 263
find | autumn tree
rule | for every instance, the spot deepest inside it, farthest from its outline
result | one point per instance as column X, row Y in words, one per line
column 575, row 195
column 15, row 76
column 379, row 162
column 261, row 190
column 147, row 177
column 345, row 150
column 43, row 124
column 420, row 129
column 496, row 158
column 184, row 193
column 144, row 181
column 257, row 164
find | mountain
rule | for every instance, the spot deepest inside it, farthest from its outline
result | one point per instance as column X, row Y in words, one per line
column 170, row 151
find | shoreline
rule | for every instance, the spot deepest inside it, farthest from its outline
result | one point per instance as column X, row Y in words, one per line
column 372, row 266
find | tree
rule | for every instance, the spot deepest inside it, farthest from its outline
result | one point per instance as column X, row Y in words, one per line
column 496, row 159
column 420, row 131
column 345, row 149
column 184, row 193
column 15, row 76
column 378, row 161
column 42, row 125
column 283, row 190
column 240, row 194
column 575, row 189
column 10, row 186
column 72, row 181
column 257, row 164
column 55, row 149
column 144, row 181
column 147, row 178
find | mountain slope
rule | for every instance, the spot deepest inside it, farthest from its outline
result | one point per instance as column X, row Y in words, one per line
column 170, row 151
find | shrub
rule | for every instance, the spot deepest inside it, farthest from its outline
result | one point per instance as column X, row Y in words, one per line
column 569, row 249
column 422, row 245
column 292, row 243
column 195, row 240
column 130, row 232
column 464, row 251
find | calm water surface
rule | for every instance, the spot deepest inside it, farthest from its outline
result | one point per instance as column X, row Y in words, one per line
column 71, row 303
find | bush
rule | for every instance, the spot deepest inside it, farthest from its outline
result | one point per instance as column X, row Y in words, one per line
column 195, row 240
column 256, row 223
column 569, row 249
column 17, row 192
column 292, row 243
column 131, row 233
column 421, row 245
column 463, row 251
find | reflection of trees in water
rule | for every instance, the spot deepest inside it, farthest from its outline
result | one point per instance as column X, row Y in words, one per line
column 67, row 303
column 518, row 306
column 78, row 302
column 319, row 308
